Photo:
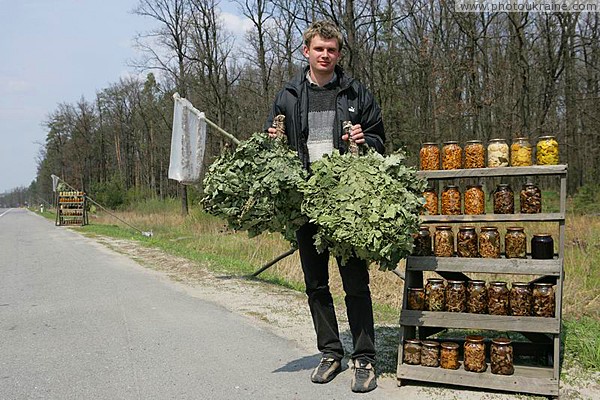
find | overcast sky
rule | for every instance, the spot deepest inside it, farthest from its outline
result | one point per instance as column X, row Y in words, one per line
column 56, row 51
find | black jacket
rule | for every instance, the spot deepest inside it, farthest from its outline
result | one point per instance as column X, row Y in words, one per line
column 354, row 103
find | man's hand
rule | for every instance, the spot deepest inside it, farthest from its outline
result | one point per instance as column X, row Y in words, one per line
column 272, row 132
column 356, row 133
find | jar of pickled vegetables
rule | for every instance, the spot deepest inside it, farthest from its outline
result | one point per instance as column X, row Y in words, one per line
column 498, row 295
column 504, row 199
column 456, row 296
column 501, row 356
column 435, row 294
column 515, row 242
column 449, row 355
column 451, row 201
column 498, row 152
column 547, row 151
column 476, row 297
column 430, row 156
column 474, row 200
column 443, row 241
column 466, row 242
column 521, row 152
column 431, row 201
column 543, row 300
column 474, row 154
column 520, row 299
column 422, row 242
column 416, row 299
column 451, row 156
column 474, row 354
column 430, row 353
column 412, row 351
column 489, row 242
column 530, row 199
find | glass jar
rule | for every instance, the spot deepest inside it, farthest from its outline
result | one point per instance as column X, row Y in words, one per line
column 489, row 242
column 456, row 296
column 515, row 242
column 504, row 199
column 416, row 299
column 451, row 156
column 542, row 246
column 498, row 294
column 466, row 242
column 543, row 300
column 521, row 152
column 476, row 297
column 474, row 354
column 430, row 353
column 497, row 153
column 449, row 355
column 501, row 356
column 422, row 242
column 435, row 294
column 474, row 200
column 520, row 299
column 451, row 202
column 530, row 199
column 443, row 241
column 430, row 156
column 431, row 201
column 547, row 151
column 474, row 154
column 412, row 352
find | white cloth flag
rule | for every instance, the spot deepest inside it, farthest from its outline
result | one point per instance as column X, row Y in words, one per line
column 188, row 142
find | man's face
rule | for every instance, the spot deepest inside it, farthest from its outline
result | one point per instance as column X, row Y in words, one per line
column 322, row 55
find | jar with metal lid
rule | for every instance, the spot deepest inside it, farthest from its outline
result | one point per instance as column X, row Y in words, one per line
column 431, row 201
column 521, row 152
column 430, row 156
column 497, row 153
column 542, row 246
column 474, row 154
column 498, row 295
column 547, row 151
column 456, row 296
column 422, row 242
column 476, row 297
column 416, row 299
column 501, row 356
column 515, row 242
column 531, row 199
column 430, row 353
column 412, row 351
column 504, row 199
column 474, row 200
column 449, row 355
column 520, row 299
column 451, row 202
column 451, row 156
column 543, row 300
column 435, row 294
column 443, row 241
column 489, row 242
column 466, row 242
column 474, row 354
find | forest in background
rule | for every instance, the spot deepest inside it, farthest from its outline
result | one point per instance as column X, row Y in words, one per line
column 438, row 75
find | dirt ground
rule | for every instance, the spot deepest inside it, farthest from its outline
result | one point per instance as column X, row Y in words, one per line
column 285, row 312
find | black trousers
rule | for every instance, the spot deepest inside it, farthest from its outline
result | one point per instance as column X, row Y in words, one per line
column 355, row 280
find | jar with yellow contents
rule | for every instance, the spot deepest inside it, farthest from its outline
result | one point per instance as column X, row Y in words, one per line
column 546, row 151
column 521, row 152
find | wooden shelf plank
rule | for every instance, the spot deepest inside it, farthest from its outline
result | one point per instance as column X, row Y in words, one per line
column 536, row 380
column 520, row 266
column 499, row 171
column 479, row 321
column 541, row 217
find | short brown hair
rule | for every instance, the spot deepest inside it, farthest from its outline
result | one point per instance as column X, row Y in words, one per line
column 324, row 28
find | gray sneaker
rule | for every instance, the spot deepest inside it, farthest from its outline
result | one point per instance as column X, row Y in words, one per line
column 364, row 379
column 327, row 369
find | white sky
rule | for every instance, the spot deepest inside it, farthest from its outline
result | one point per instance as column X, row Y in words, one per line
column 56, row 51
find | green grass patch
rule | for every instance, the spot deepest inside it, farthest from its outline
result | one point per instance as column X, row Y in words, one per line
column 581, row 340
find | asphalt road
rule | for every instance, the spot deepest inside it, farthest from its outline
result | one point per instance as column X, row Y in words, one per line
column 78, row 321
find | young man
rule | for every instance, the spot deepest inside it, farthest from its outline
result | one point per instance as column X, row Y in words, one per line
column 315, row 104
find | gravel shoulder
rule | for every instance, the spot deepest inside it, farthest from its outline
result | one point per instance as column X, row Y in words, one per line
column 285, row 313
